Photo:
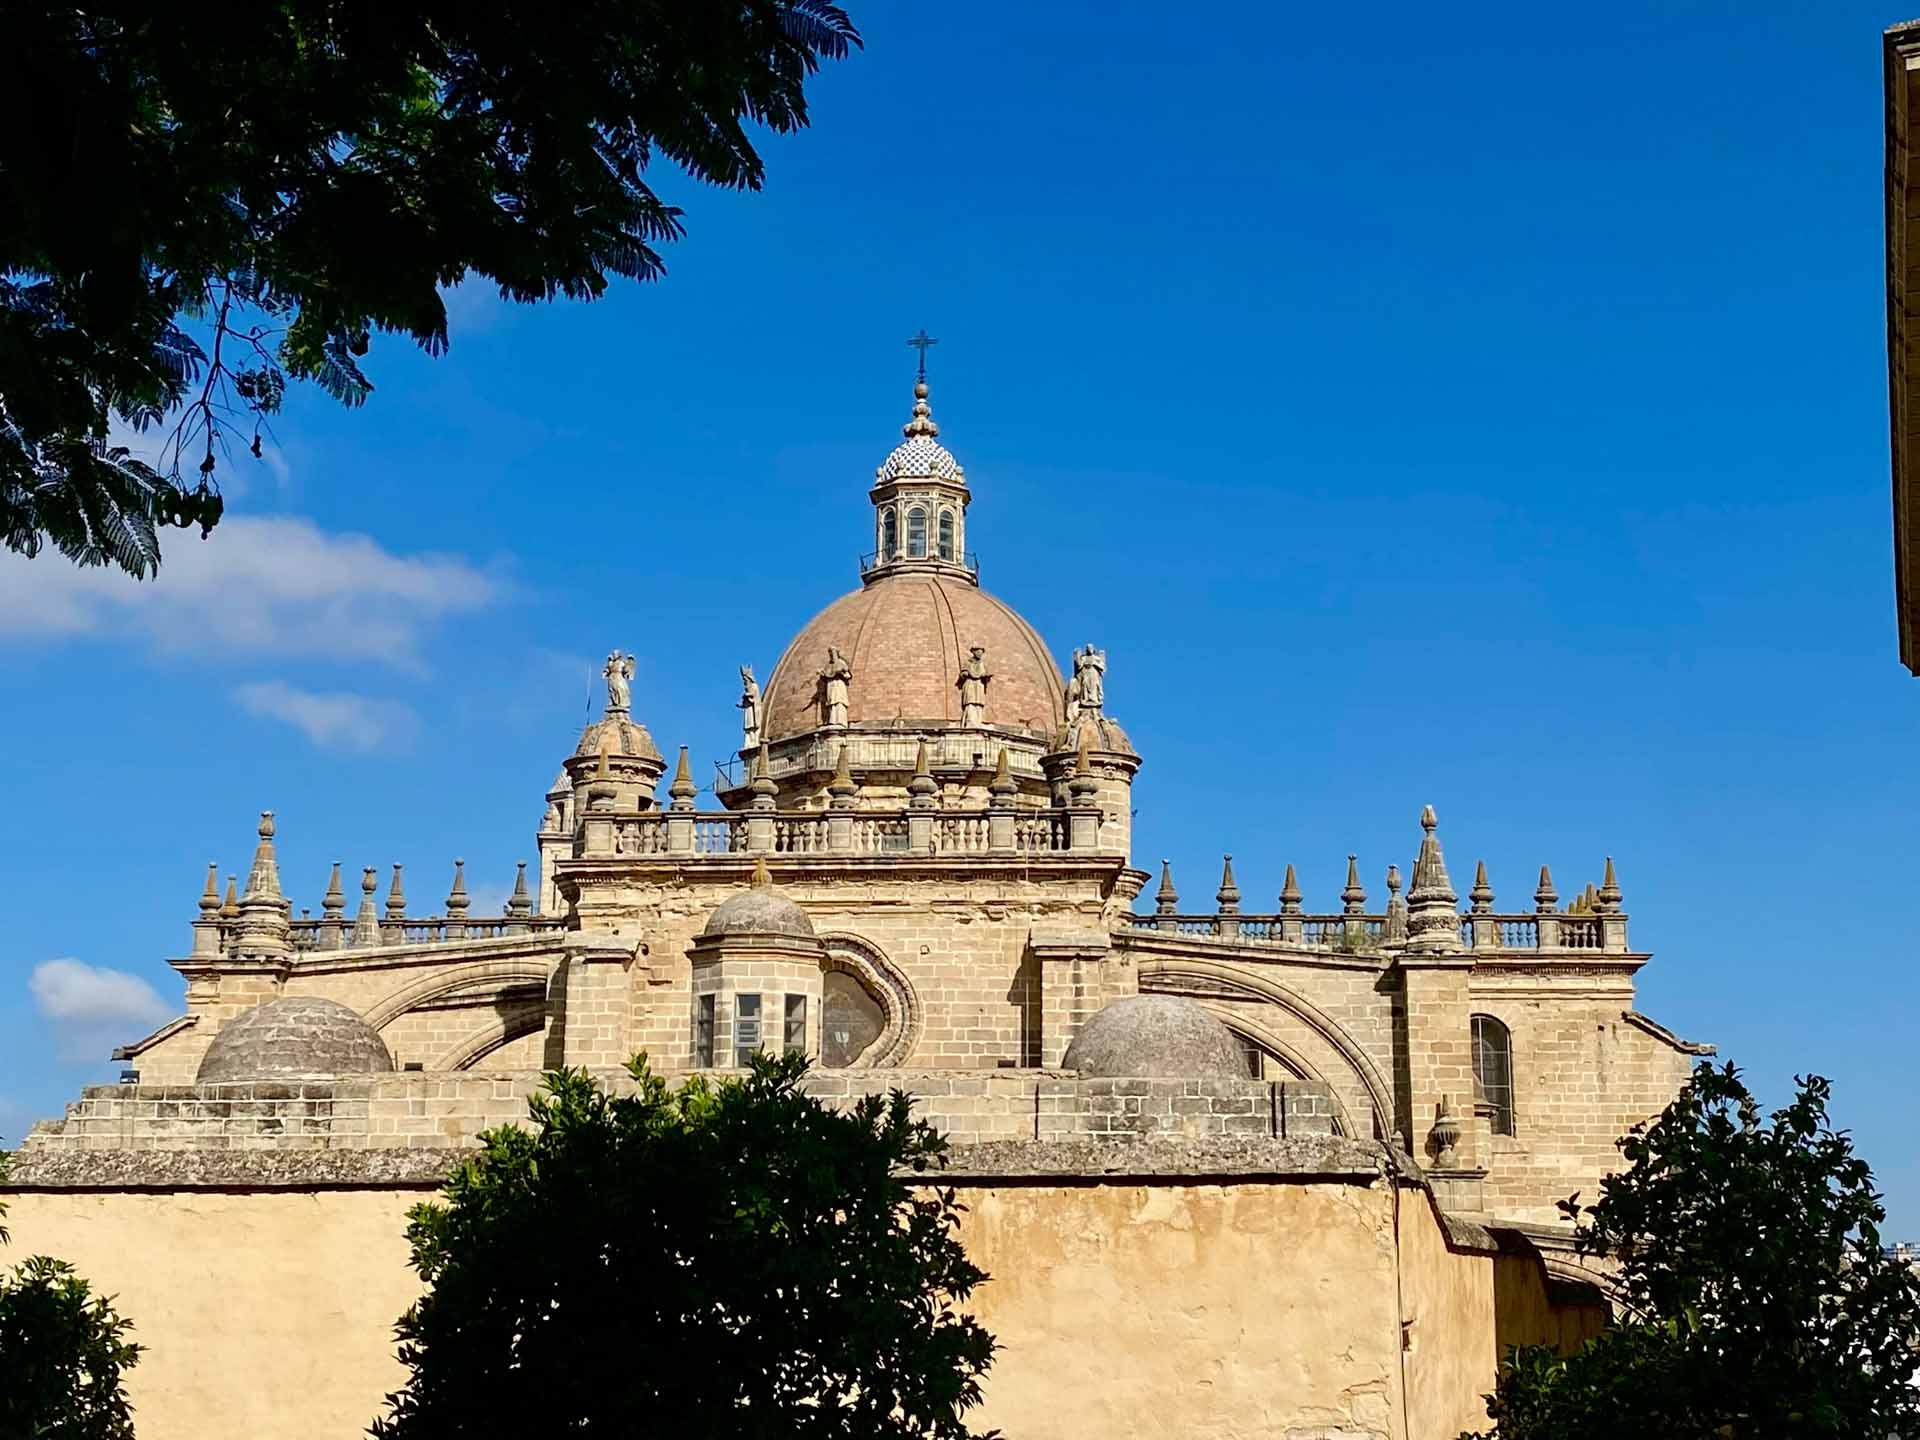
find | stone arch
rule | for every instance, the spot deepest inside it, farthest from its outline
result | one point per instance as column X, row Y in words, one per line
column 1202, row 977
column 507, row 973
column 528, row 1017
column 1270, row 1041
column 859, row 957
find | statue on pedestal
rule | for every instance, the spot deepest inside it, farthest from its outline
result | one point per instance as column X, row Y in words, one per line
column 619, row 676
column 1088, row 688
column 749, row 709
column 974, row 676
column 836, row 681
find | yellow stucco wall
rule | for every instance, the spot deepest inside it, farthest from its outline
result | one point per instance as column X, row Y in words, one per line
column 1203, row 1311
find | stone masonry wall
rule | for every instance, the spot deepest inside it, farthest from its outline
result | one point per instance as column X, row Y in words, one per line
column 416, row 1110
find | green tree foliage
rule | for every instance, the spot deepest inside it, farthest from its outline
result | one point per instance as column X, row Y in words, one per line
column 1756, row 1300
column 199, row 203
column 63, row 1353
column 726, row 1261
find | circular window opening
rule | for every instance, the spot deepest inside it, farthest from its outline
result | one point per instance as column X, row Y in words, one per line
column 851, row 1020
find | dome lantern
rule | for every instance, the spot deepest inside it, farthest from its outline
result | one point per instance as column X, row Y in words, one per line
column 920, row 498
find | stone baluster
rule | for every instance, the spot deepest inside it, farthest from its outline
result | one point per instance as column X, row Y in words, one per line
column 680, row 797
column 458, row 903
column 1166, row 900
column 332, row 933
column 366, row 925
column 921, row 792
column 1000, row 816
column 1613, row 919
column 1227, row 901
column 1486, row 929
column 206, row 925
column 1291, row 928
column 520, row 903
column 1546, row 918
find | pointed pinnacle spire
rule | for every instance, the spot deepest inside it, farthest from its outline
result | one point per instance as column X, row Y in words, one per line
column 230, row 907
column 841, row 787
column 333, row 905
column 1002, row 783
column 1544, row 895
column 1167, row 899
column 1353, row 899
column 921, row 786
column 210, row 897
column 1290, row 892
column 520, row 903
column 1227, row 897
column 1083, row 784
column 366, row 925
column 762, row 877
column 263, row 881
column 763, row 786
column 682, row 788
column 605, row 771
column 1482, row 893
column 457, row 900
column 1433, row 922
column 396, row 897
column 1610, row 896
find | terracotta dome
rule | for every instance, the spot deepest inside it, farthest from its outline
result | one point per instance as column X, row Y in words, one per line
column 905, row 636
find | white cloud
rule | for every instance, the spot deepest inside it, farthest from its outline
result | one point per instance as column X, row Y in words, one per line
column 336, row 720
column 92, row 1008
column 275, row 585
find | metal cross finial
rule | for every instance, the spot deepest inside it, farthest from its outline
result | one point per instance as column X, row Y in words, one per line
column 922, row 342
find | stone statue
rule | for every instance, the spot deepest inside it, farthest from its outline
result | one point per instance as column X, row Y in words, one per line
column 1089, row 687
column 551, row 821
column 974, row 676
column 749, row 709
column 836, row 681
column 619, row 675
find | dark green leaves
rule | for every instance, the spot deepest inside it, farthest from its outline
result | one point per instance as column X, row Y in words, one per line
column 1755, row 1297
column 63, row 1352
column 729, row 1260
column 291, row 179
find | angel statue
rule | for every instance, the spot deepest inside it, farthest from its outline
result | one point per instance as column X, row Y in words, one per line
column 619, row 675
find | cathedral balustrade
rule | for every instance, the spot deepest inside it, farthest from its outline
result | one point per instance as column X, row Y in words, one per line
column 307, row 934
column 915, row 831
column 1386, row 932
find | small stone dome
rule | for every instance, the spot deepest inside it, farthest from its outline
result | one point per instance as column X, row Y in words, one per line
column 1101, row 733
column 297, row 1037
column 1146, row 1035
column 759, row 911
column 920, row 455
column 622, row 736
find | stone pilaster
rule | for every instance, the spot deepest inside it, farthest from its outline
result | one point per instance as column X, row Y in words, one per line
column 598, row 1000
column 1078, row 976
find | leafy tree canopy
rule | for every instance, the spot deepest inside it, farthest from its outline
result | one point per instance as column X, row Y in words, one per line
column 63, row 1353
column 730, row 1260
column 1757, row 1302
column 200, row 202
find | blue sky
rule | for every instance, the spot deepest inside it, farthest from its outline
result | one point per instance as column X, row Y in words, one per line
column 1488, row 413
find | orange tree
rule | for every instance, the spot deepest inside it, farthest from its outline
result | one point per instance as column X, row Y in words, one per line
column 725, row 1260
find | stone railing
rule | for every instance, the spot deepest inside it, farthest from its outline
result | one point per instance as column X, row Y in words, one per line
column 327, row 934
column 1549, row 930
column 994, row 831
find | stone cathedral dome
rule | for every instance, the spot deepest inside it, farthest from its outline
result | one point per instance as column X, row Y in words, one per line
column 295, row 1037
column 905, row 636
column 908, row 630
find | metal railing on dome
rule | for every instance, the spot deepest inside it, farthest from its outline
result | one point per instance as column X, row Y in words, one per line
column 968, row 560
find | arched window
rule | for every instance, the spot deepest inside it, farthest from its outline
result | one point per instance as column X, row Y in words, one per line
column 1251, row 1055
column 946, row 534
column 916, row 534
column 852, row 1020
column 1493, row 1071
column 889, row 534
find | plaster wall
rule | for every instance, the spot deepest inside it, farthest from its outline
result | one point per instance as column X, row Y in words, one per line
column 1207, row 1311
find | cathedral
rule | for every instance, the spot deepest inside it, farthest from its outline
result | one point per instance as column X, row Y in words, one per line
column 1333, row 1136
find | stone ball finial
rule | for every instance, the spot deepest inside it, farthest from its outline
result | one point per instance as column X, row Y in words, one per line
column 1152, row 1035
column 296, row 1037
